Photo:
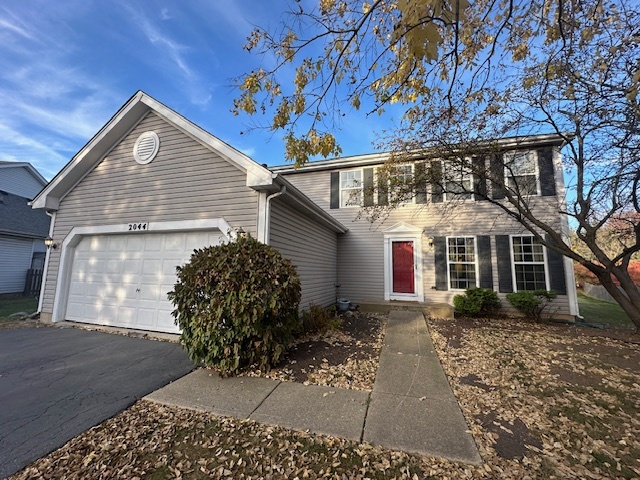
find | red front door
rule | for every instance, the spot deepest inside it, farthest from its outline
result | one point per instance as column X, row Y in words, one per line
column 402, row 259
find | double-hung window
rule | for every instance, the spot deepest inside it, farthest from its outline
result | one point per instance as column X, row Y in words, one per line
column 401, row 183
column 521, row 173
column 458, row 179
column 529, row 272
column 351, row 188
column 461, row 260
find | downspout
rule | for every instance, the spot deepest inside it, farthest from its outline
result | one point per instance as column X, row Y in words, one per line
column 267, row 220
column 45, row 270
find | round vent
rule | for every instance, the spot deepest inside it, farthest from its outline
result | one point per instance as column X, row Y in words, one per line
column 146, row 147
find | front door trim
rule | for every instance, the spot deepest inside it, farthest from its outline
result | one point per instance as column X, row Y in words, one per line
column 403, row 232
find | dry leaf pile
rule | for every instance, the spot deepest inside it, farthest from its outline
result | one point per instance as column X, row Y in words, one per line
column 341, row 358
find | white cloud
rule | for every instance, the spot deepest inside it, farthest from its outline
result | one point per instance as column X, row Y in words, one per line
column 6, row 25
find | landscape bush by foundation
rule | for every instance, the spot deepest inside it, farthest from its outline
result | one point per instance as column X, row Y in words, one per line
column 237, row 305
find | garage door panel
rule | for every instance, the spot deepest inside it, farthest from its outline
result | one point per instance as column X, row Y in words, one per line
column 114, row 243
column 123, row 280
column 126, row 316
column 154, row 243
column 135, row 243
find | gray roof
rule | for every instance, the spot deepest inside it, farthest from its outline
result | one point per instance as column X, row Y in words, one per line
column 18, row 218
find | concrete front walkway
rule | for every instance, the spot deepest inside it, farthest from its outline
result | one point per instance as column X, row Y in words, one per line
column 411, row 407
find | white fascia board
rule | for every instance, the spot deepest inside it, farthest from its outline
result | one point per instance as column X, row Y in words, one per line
column 91, row 153
column 308, row 206
column 379, row 158
column 257, row 175
column 121, row 124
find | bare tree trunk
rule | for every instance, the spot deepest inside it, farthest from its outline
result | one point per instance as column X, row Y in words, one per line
column 631, row 303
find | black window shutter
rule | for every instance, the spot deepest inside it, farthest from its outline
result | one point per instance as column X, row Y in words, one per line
column 440, row 259
column 335, row 190
column 545, row 167
column 368, row 187
column 497, row 174
column 505, row 280
column 436, row 184
column 479, row 178
column 484, row 261
column 555, row 266
column 383, row 190
column 421, row 183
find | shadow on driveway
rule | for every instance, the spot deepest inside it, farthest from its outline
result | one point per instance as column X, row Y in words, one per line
column 56, row 383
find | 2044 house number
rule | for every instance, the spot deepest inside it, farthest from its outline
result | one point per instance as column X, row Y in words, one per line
column 134, row 227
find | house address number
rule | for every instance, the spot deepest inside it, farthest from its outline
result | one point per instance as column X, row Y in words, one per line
column 134, row 227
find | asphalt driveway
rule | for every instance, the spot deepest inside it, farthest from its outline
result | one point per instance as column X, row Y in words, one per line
column 56, row 383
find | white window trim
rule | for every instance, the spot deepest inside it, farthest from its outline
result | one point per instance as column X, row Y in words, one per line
column 358, row 205
column 470, row 176
column 513, row 264
column 507, row 172
column 475, row 253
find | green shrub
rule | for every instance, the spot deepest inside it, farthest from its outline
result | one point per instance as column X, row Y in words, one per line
column 237, row 305
column 531, row 303
column 319, row 319
column 477, row 302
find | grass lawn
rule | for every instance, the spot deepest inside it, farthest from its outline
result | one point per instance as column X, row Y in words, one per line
column 603, row 313
column 18, row 304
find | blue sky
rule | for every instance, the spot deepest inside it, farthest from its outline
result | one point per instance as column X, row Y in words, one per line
column 69, row 65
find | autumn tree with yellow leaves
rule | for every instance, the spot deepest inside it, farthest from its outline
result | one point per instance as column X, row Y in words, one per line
column 464, row 73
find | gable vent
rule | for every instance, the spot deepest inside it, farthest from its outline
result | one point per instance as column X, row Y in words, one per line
column 146, row 147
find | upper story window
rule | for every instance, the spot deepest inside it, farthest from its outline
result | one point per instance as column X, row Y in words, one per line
column 457, row 179
column 461, row 259
column 351, row 188
column 529, row 270
column 521, row 172
column 401, row 183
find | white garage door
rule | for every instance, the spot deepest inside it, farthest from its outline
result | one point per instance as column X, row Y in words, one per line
column 123, row 280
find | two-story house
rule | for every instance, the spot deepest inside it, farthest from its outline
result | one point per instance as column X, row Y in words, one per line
column 151, row 186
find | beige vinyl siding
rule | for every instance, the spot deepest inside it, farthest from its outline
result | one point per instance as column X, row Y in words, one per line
column 361, row 249
column 311, row 247
column 186, row 181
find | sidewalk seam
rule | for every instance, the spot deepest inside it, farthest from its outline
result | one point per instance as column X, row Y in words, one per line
column 264, row 399
column 364, row 420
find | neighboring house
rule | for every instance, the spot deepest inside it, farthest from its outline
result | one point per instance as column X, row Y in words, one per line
column 20, row 178
column 22, row 234
column 152, row 186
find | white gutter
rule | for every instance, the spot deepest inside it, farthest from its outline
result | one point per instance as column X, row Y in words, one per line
column 267, row 220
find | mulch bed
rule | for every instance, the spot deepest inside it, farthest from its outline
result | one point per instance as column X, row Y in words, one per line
column 343, row 358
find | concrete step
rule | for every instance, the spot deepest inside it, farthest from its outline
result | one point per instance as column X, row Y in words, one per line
column 431, row 309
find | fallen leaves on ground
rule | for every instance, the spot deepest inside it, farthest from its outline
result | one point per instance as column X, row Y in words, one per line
column 341, row 358
column 540, row 404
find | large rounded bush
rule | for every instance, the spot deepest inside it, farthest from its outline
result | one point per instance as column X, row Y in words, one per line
column 237, row 305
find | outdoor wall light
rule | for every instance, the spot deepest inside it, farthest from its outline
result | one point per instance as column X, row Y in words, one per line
column 50, row 243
